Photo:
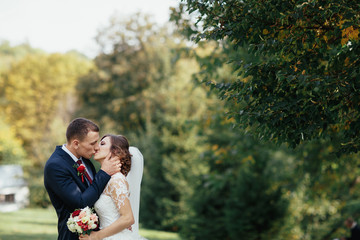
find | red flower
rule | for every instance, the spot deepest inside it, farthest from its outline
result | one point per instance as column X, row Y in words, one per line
column 76, row 213
column 85, row 227
column 80, row 171
column 83, row 221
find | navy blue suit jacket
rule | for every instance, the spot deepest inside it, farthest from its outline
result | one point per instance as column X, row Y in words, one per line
column 355, row 233
column 66, row 190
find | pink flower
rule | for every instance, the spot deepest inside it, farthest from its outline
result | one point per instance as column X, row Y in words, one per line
column 82, row 214
column 83, row 221
column 94, row 217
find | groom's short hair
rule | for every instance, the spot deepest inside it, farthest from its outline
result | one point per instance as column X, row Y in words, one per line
column 79, row 128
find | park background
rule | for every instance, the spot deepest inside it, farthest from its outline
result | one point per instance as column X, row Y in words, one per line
column 247, row 114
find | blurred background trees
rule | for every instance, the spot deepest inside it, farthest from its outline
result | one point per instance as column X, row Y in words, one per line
column 305, row 86
column 204, row 176
column 34, row 89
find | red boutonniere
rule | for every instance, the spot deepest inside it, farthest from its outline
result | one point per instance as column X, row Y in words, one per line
column 80, row 170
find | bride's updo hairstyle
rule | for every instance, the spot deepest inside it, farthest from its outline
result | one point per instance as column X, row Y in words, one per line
column 120, row 148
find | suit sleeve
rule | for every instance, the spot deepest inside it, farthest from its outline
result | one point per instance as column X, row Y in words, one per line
column 355, row 233
column 61, row 182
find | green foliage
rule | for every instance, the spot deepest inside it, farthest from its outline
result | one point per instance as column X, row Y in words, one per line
column 126, row 92
column 157, row 195
column 305, row 86
column 284, row 77
column 36, row 101
column 206, row 218
column 184, row 107
column 10, row 54
column 258, row 191
column 325, row 189
column 134, row 62
column 252, row 197
column 172, row 161
column 11, row 150
column 203, row 177
column 37, row 89
column 38, row 194
column 240, row 192
column 143, row 89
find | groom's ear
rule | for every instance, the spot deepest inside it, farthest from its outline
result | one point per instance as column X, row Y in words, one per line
column 75, row 143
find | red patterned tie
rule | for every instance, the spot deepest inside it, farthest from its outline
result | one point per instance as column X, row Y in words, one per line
column 85, row 173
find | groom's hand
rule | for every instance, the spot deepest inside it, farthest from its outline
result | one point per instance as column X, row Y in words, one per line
column 111, row 164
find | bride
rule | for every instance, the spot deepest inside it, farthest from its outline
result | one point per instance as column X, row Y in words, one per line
column 118, row 205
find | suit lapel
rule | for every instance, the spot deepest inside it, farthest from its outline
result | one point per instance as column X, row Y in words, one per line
column 70, row 162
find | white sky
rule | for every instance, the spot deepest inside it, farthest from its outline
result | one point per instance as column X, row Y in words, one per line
column 63, row 25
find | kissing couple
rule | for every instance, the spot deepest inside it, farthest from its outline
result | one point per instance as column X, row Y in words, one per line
column 114, row 191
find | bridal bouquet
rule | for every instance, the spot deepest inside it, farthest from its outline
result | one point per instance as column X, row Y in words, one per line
column 82, row 221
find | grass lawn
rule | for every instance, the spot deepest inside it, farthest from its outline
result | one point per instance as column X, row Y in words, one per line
column 40, row 224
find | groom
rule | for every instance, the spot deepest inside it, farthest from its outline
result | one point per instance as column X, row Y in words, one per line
column 67, row 190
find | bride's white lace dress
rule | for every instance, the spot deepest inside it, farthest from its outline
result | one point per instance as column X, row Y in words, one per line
column 108, row 205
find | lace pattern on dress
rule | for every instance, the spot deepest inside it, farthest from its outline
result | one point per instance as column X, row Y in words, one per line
column 117, row 188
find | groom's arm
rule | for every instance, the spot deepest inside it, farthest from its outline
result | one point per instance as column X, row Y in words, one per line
column 63, row 185
column 93, row 192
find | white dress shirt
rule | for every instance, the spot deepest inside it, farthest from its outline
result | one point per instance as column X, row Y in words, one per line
column 75, row 160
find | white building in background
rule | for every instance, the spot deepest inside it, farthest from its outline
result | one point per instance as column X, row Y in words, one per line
column 14, row 192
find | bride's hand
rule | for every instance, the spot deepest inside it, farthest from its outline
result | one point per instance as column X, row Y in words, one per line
column 92, row 236
column 84, row 237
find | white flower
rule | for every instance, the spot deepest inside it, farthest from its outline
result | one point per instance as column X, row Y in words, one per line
column 78, row 228
column 85, row 219
column 85, row 216
column 71, row 225
column 88, row 211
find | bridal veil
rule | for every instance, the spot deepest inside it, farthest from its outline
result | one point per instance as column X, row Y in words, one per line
column 134, row 178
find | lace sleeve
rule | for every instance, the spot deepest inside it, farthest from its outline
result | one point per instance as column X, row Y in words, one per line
column 118, row 190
